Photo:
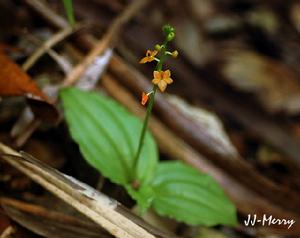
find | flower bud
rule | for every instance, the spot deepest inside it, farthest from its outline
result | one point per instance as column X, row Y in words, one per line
column 174, row 54
column 170, row 36
column 168, row 29
column 157, row 47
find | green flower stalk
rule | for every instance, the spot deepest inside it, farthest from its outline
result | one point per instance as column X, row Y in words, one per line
column 161, row 78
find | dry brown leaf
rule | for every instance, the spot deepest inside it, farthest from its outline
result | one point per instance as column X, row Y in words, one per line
column 212, row 124
column 202, row 10
column 15, row 82
column 274, row 84
column 188, row 34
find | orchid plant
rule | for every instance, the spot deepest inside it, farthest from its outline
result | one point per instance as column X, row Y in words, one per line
column 122, row 149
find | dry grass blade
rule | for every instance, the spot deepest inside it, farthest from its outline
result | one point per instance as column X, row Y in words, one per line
column 98, row 207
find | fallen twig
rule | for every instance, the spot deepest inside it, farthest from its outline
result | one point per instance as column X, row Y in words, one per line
column 51, row 16
column 59, row 36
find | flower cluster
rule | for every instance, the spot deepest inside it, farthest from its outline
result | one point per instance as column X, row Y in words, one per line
column 161, row 78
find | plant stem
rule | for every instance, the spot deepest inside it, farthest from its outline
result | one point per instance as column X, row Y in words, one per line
column 149, row 109
column 68, row 4
column 143, row 133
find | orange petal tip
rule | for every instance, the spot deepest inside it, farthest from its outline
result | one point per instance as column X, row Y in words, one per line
column 144, row 99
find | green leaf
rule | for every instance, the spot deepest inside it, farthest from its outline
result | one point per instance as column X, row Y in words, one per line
column 183, row 193
column 68, row 4
column 108, row 135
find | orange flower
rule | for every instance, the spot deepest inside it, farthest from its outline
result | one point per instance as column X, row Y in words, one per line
column 162, row 79
column 150, row 56
column 144, row 99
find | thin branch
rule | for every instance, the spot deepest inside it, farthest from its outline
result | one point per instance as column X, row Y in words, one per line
column 42, row 8
column 47, row 45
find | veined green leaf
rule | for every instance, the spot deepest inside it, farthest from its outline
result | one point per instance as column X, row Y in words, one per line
column 107, row 135
column 183, row 193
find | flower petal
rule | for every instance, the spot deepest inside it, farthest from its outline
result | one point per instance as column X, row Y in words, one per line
column 168, row 80
column 150, row 58
column 153, row 53
column 157, row 75
column 166, row 74
column 148, row 53
column 144, row 60
column 156, row 80
column 162, row 85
